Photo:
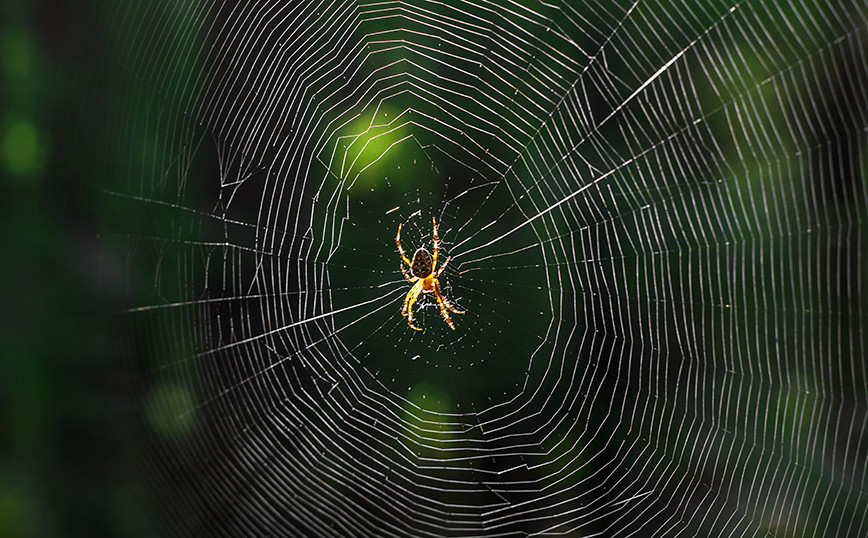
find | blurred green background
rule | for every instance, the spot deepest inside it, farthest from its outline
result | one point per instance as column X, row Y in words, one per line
column 66, row 445
column 83, row 415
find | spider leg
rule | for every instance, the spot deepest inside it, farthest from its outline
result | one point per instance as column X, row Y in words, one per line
column 436, row 245
column 408, row 304
column 445, row 305
column 446, row 301
column 414, row 290
column 409, row 276
column 401, row 250
column 442, row 267
column 451, row 307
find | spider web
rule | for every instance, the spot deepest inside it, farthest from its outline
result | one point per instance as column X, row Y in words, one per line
column 653, row 213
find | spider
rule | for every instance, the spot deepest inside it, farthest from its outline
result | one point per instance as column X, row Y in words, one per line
column 424, row 272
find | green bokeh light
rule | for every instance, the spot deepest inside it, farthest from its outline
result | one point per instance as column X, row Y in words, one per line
column 371, row 144
column 170, row 409
column 16, row 53
column 21, row 148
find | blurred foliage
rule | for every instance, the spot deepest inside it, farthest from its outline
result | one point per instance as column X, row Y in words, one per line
column 65, row 460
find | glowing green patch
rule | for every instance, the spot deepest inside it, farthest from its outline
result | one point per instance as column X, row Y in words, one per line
column 170, row 409
column 20, row 149
column 427, row 410
column 368, row 145
column 16, row 53
column 19, row 514
column 430, row 398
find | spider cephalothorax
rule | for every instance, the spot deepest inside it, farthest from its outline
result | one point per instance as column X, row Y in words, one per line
column 424, row 273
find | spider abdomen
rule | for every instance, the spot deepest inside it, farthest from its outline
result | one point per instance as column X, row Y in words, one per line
column 421, row 266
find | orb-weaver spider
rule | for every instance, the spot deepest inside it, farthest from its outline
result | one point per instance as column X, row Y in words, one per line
column 424, row 272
